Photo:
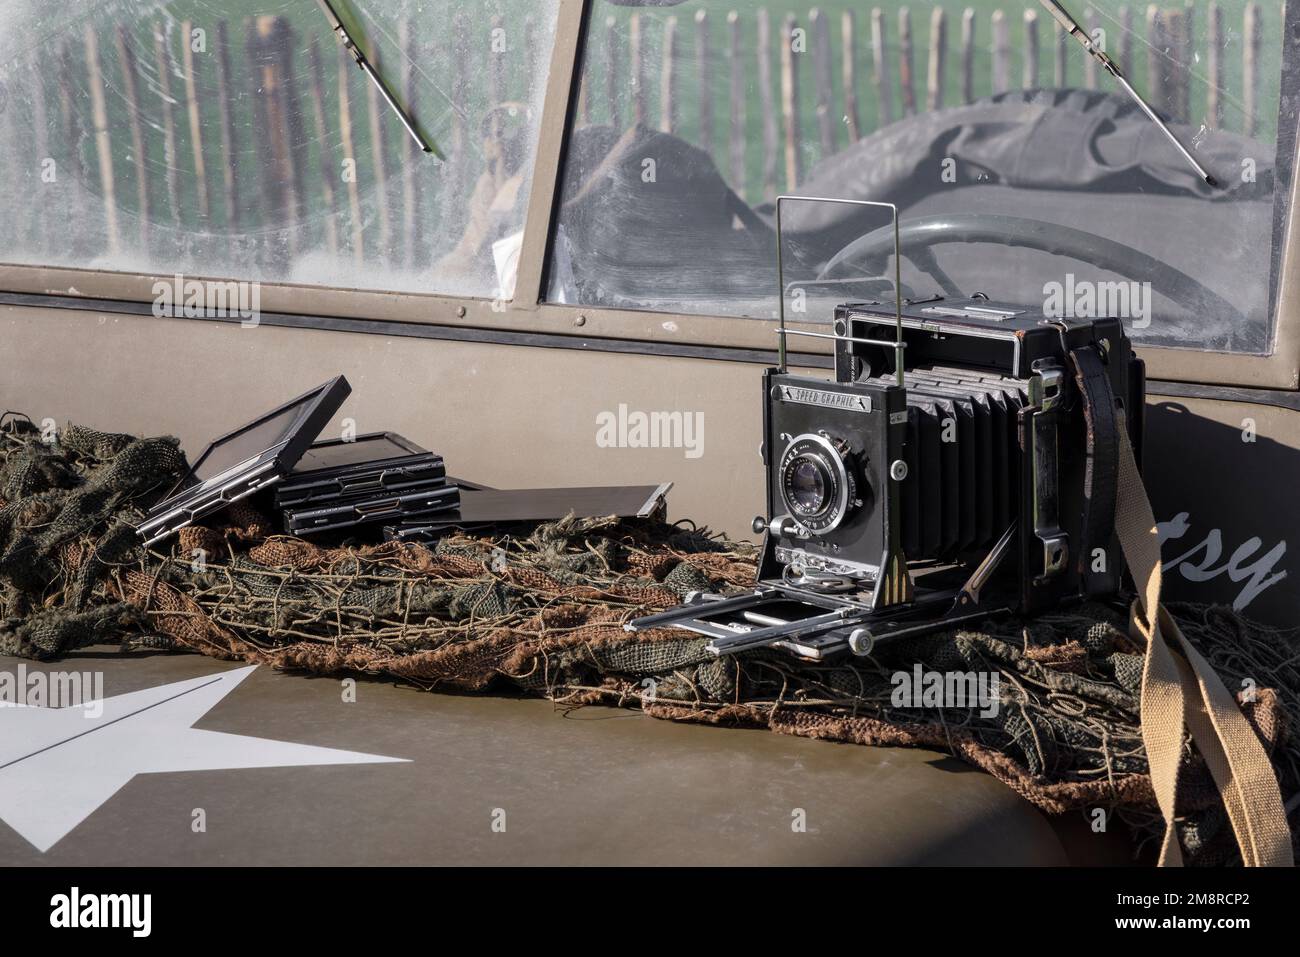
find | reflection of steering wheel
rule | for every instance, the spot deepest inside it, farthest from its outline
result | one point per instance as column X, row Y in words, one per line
column 869, row 255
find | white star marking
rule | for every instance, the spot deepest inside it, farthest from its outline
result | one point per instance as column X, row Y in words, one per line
column 58, row 766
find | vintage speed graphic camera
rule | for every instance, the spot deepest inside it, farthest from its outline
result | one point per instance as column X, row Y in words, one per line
column 962, row 463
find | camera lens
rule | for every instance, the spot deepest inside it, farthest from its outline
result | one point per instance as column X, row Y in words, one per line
column 807, row 483
column 816, row 482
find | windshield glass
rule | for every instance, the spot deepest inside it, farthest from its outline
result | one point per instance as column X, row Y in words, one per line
column 236, row 138
column 1020, row 167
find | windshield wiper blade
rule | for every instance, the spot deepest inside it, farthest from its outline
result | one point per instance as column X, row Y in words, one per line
column 351, row 46
column 1072, row 27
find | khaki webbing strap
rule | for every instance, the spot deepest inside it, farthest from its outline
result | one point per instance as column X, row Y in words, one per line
column 1179, row 686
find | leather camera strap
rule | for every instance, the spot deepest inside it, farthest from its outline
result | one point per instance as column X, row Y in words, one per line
column 1180, row 688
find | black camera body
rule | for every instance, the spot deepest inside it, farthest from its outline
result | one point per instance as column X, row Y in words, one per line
column 980, row 481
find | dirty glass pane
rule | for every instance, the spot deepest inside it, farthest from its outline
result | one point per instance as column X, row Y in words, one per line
column 1020, row 168
column 235, row 138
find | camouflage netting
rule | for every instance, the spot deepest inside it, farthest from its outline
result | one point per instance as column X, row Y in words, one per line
column 541, row 610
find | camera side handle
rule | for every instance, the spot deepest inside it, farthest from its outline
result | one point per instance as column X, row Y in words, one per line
column 1046, row 390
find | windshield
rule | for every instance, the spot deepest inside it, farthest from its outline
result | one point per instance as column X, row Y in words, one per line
column 237, row 138
column 1021, row 169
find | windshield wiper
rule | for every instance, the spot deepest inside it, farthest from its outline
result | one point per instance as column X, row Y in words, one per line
column 351, row 46
column 1072, row 27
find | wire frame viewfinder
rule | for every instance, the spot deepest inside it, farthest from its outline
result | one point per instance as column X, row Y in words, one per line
column 794, row 250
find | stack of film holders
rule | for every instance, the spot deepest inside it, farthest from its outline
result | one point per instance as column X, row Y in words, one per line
column 373, row 481
column 321, row 485
column 380, row 477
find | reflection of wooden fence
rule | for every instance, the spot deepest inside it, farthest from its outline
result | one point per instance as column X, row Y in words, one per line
column 962, row 58
column 251, row 137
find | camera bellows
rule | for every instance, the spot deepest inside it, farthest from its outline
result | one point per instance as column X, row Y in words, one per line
column 963, row 460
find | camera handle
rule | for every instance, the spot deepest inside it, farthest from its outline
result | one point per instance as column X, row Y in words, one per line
column 1046, row 392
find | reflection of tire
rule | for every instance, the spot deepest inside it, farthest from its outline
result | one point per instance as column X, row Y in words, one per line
column 1115, row 105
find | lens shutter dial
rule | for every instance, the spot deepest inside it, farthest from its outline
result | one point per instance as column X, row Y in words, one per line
column 817, row 484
